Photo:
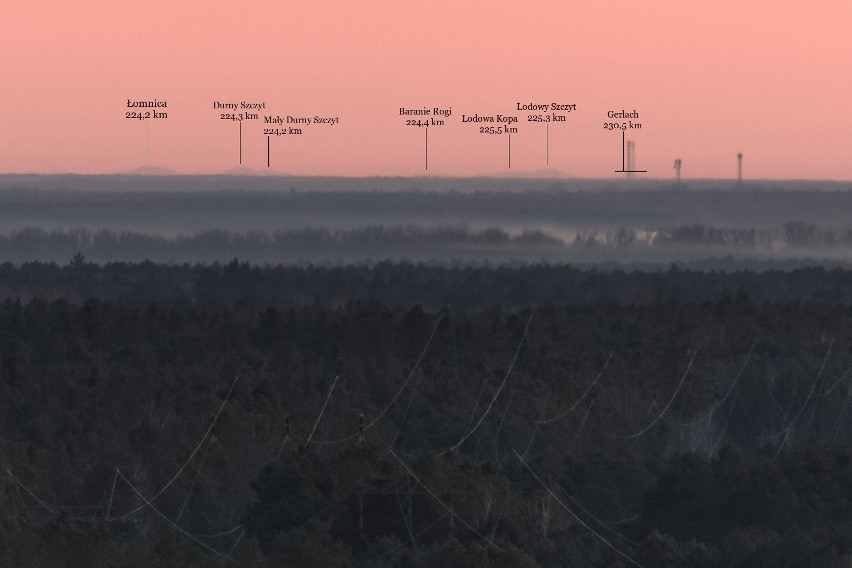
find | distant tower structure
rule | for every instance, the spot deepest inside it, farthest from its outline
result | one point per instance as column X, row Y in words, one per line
column 631, row 154
column 740, row 168
column 677, row 164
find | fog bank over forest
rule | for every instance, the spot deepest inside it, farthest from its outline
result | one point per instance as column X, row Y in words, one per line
column 327, row 220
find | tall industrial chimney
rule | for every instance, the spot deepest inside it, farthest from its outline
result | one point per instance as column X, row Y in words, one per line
column 740, row 168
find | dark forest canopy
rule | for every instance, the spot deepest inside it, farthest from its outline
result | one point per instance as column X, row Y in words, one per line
column 287, row 416
column 434, row 287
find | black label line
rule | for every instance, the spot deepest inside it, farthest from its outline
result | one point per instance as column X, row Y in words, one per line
column 622, row 170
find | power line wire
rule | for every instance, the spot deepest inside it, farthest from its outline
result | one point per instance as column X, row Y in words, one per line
column 666, row 407
column 582, row 397
column 448, row 508
column 164, row 517
column 789, row 428
column 728, row 393
column 393, row 398
column 331, row 390
column 189, row 459
column 573, row 514
column 496, row 394
column 33, row 495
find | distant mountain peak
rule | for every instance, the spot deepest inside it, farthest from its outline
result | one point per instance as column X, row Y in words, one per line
column 151, row 171
column 243, row 171
column 543, row 173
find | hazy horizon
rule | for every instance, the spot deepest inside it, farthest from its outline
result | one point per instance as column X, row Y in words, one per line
column 519, row 175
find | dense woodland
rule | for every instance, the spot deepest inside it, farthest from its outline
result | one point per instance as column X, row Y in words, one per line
column 405, row 415
column 446, row 244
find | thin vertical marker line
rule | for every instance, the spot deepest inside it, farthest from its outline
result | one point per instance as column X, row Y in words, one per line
column 241, row 142
column 547, row 144
column 622, row 151
column 267, row 151
column 427, row 147
column 510, row 151
column 146, row 142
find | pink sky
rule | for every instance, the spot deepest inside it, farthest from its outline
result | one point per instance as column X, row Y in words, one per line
column 709, row 79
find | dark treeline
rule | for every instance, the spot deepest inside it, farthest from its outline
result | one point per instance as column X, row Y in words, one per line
column 688, row 419
column 305, row 245
column 407, row 284
column 430, row 244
